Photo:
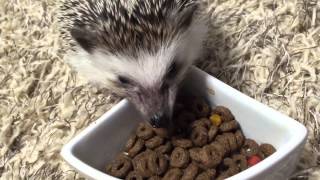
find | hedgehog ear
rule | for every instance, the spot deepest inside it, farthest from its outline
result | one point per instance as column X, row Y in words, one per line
column 186, row 15
column 84, row 38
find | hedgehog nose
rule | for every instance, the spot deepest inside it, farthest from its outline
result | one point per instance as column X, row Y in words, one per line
column 159, row 121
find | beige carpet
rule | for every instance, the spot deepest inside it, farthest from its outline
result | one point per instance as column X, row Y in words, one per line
column 268, row 49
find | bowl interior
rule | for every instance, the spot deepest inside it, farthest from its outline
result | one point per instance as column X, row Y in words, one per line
column 257, row 122
column 99, row 146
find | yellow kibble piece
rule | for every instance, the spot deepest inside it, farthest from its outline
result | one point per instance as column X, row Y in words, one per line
column 215, row 119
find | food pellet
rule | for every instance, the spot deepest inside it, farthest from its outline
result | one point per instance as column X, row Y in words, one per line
column 138, row 145
column 241, row 161
column 199, row 136
column 224, row 113
column 144, row 131
column 190, row 172
column 181, row 142
column 209, row 157
column 140, row 164
column 215, row 119
column 230, row 167
column 201, row 123
column 195, row 154
column 212, row 133
column 173, row 174
column 157, row 163
column 228, row 126
column 163, row 149
column 162, row 132
column 207, row 143
column 133, row 175
column 250, row 148
column 154, row 142
column 267, row 149
column 206, row 175
column 155, row 178
column 179, row 157
column 120, row 166
column 253, row 160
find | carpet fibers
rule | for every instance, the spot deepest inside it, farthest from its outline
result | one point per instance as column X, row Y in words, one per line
column 268, row 49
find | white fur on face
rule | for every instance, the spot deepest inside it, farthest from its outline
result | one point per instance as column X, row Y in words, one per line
column 148, row 69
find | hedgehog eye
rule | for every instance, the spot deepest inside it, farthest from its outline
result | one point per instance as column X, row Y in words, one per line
column 124, row 80
column 172, row 71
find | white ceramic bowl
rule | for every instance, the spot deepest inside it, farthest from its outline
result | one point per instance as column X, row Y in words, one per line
column 94, row 147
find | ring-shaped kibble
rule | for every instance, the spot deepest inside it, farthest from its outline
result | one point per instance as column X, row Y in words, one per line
column 173, row 174
column 239, row 138
column 230, row 168
column 232, row 141
column 202, row 122
column 190, row 172
column 195, row 154
column 213, row 131
column 261, row 155
column 224, row 112
column 179, row 157
column 154, row 142
column 120, row 167
column 200, row 165
column 163, row 149
column 162, row 132
column 140, row 164
column 229, row 126
column 221, row 151
column 250, row 148
column 133, row 175
column 144, row 131
column 131, row 142
column 223, row 140
column 199, row 136
column 157, row 163
column 233, row 168
column 267, row 149
column 207, row 175
column 155, row 178
column 181, row 142
column 137, row 147
column 241, row 161
column 200, row 107
column 209, row 157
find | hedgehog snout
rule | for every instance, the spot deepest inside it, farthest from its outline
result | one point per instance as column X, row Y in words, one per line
column 160, row 120
column 155, row 106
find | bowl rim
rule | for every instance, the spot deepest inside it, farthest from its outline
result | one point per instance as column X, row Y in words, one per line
column 67, row 149
column 297, row 139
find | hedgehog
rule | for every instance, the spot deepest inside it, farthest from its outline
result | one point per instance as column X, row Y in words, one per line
column 138, row 49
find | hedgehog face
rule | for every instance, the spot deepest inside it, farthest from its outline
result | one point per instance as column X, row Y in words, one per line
column 140, row 49
column 149, row 81
column 151, row 85
column 154, row 101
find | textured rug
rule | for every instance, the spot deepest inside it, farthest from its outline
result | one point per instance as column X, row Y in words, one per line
column 268, row 49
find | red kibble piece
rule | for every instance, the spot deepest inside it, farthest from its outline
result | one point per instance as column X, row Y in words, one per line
column 253, row 160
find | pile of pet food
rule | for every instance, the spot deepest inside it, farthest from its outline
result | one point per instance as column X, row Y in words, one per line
column 207, row 144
